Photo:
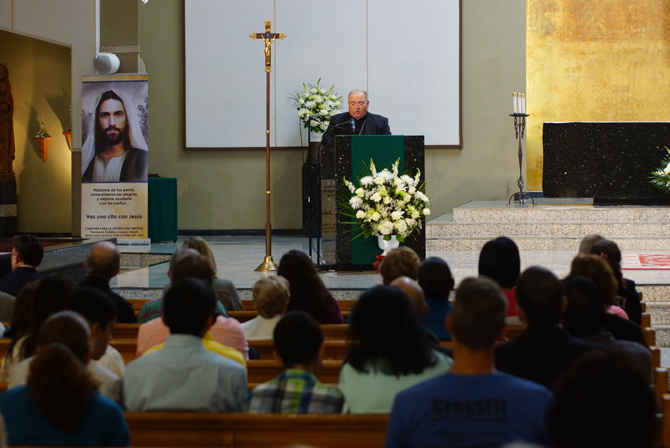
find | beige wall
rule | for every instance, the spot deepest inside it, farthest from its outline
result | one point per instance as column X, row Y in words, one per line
column 226, row 190
column 40, row 77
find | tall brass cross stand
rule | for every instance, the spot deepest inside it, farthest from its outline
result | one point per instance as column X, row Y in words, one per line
column 268, row 37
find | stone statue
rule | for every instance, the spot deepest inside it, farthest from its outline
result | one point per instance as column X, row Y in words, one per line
column 6, row 126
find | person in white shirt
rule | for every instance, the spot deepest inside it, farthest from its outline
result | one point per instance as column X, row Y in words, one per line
column 271, row 296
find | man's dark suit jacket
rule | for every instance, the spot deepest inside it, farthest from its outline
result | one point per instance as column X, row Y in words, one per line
column 374, row 125
column 541, row 353
column 126, row 313
column 12, row 283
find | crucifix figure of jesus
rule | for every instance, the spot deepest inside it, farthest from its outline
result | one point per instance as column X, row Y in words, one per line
column 268, row 37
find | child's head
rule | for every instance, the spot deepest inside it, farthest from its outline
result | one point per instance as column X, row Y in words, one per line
column 298, row 338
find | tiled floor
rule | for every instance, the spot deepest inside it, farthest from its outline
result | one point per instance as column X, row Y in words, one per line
column 237, row 257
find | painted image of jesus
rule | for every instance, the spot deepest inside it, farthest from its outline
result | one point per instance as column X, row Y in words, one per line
column 116, row 150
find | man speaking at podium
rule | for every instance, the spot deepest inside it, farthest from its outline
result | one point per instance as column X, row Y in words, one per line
column 358, row 121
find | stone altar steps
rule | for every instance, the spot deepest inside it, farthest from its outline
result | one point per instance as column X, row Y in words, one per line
column 548, row 226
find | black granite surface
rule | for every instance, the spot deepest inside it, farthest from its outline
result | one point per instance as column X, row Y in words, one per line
column 603, row 160
column 311, row 200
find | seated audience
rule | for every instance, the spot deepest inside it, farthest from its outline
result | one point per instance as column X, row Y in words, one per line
column 627, row 297
column 472, row 405
column 270, row 296
column 588, row 241
column 153, row 309
column 60, row 405
column 584, row 316
column 27, row 255
column 399, row 262
column 597, row 269
column 298, row 340
column 225, row 331
column 437, row 282
column 603, row 401
column 7, row 303
column 225, row 290
column 308, row 293
column 48, row 299
column 500, row 261
column 22, row 314
column 184, row 375
column 389, row 350
column 544, row 350
column 103, row 263
column 63, row 328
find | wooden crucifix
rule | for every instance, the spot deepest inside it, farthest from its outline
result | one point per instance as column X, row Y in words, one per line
column 268, row 37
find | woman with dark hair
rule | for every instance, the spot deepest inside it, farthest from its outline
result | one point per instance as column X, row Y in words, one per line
column 597, row 270
column 500, row 261
column 627, row 297
column 308, row 293
column 47, row 300
column 60, row 405
column 22, row 314
column 389, row 351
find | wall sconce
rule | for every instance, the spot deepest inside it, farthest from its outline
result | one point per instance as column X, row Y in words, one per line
column 43, row 138
column 68, row 136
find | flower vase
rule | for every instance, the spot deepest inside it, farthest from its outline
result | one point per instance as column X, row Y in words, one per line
column 313, row 150
column 386, row 246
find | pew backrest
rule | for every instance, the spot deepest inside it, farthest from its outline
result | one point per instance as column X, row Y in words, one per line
column 254, row 430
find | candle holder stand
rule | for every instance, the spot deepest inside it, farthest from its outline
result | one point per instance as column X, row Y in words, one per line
column 520, row 129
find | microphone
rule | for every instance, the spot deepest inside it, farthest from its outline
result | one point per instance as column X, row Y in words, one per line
column 353, row 126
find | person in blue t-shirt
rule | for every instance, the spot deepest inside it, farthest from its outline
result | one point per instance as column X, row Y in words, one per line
column 437, row 282
column 472, row 405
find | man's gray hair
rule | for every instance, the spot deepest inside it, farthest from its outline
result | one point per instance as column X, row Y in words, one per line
column 358, row 91
column 179, row 254
column 103, row 260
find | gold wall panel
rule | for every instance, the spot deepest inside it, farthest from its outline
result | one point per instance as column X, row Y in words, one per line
column 594, row 60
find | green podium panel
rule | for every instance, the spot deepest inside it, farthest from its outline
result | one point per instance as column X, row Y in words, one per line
column 384, row 151
column 349, row 156
column 163, row 209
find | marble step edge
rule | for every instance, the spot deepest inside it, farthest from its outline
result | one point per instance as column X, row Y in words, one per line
column 662, row 335
column 549, row 228
column 135, row 260
column 659, row 313
column 546, row 242
column 542, row 214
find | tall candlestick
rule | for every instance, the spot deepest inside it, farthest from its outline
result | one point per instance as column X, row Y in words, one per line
column 523, row 103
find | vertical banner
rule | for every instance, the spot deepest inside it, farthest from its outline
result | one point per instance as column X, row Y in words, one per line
column 114, row 157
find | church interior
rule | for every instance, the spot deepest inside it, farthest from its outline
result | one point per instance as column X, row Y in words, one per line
column 592, row 63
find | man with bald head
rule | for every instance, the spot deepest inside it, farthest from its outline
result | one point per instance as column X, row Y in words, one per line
column 102, row 264
column 414, row 292
column 358, row 121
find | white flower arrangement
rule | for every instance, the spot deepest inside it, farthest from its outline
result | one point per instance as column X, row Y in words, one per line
column 661, row 177
column 316, row 105
column 386, row 204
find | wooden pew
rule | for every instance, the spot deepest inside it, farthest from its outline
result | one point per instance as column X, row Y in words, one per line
column 330, row 331
column 660, row 384
column 125, row 331
column 333, row 349
column 649, row 336
column 199, row 429
column 266, row 370
column 646, row 321
column 345, row 305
